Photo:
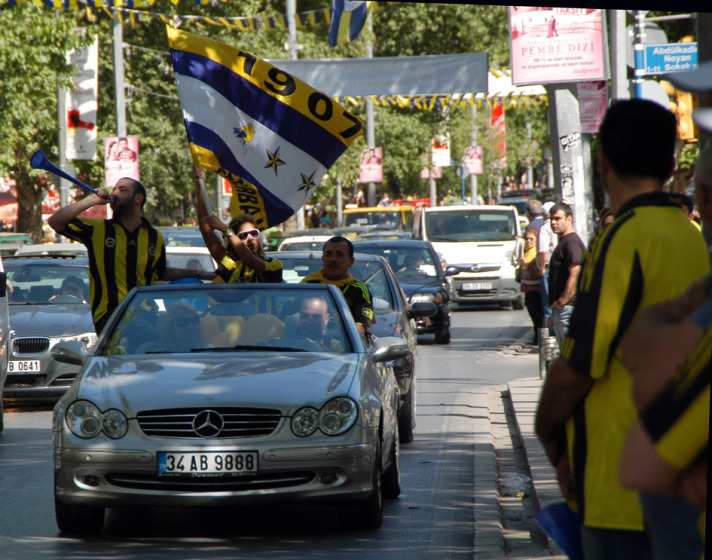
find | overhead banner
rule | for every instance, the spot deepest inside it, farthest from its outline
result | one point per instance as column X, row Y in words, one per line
column 402, row 75
column 552, row 45
column 81, row 101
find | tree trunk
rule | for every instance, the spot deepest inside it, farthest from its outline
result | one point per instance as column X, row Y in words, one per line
column 29, row 201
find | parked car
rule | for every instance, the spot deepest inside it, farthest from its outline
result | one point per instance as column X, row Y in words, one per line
column 40, row 317
column 182, row 236
column 427, row 282
column 39, row 249
column 227, row 406
column 304, row 242
column 197, row 258
column 394, row 317
column 4, row 336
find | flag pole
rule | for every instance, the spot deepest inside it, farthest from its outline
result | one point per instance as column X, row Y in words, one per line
column 208, row 208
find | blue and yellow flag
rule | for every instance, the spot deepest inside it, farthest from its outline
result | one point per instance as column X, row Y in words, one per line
column 347, row 21
column 269, row 133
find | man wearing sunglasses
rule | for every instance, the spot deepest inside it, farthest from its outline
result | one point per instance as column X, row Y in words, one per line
column 241, row 259
column 313, row 323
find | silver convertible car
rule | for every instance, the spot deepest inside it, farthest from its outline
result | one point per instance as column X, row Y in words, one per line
column 204, row 394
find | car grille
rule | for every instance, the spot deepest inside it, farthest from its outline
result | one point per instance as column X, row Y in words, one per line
column 29, row 346
column 221, row 484
column 233, row 422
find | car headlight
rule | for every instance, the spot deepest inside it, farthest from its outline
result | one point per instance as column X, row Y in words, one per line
column 85, row 420
column 335, row 417
column 432, row 298
column 88, row 338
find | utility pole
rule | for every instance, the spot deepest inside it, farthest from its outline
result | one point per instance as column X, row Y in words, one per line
column 473, row 176
column 370, row 132
column 293, row 48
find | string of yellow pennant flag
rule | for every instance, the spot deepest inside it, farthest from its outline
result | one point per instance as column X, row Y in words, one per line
column 127, row 11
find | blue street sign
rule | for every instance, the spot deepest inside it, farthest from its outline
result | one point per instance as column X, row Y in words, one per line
column 670, row 57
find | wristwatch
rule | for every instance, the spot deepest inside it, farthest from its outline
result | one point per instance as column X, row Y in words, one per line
column 229, row 233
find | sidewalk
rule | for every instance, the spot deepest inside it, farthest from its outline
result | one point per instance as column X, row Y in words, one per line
column 489, row 540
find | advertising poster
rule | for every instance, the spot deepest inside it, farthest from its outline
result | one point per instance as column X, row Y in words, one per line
column 8, row 204
column 550, row 45
column 441, row 151
column 473, row 159
column 120, row 159
column 371, row 166
column 593, row 102
column 498, row 123
column 81, row 102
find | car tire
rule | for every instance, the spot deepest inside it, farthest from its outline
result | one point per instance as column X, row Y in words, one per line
column 392, row 477
column 442, row 335
column 518, row 304
column 406, row 413
column 369, row 512
column 74, row 519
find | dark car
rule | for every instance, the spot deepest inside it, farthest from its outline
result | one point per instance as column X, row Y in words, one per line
column 41, row 315
column 427, row 281
column 394, row 317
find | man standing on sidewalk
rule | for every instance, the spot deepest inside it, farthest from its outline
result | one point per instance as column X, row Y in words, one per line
column 564, row 268
column 649, row 254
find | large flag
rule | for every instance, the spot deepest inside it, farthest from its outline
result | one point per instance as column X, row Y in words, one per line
column 347, row 21
column 269, row 133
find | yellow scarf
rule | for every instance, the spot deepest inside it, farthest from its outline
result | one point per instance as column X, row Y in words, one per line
column 318, row 276
column 530, row 255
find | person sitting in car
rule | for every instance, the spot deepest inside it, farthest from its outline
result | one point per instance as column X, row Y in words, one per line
column 313, row 323
column 72, row 291
column 413, row 262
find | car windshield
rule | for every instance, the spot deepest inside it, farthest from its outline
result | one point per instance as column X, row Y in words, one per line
column 182, row 237
column 193, row 261
column 370, row 273
column 53, row 282
column 409, row 262
column 471, row 225
column 386, row 219
column 205, row 318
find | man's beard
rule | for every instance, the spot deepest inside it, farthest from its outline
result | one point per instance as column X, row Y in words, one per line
column 120, row 210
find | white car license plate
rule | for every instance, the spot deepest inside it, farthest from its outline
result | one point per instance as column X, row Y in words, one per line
column 477, row 285
column 23, row 366
column 207, row 464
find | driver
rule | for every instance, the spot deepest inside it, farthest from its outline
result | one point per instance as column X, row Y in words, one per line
column 412, row 263
column 72, row 287
column 313, row 320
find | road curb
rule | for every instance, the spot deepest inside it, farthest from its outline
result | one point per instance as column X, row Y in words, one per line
column 489, row 538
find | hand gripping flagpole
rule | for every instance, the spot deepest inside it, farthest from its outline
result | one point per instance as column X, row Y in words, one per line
column 208, row 208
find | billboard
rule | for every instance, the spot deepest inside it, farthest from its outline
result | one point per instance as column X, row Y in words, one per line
column 120, row 159
column 552, row 45
column 371, row 166
column 81, row 102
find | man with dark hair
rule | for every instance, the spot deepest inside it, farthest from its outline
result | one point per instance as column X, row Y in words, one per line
column 124, row 252
column 337, row 258
column 649, row 254
column 564, row 268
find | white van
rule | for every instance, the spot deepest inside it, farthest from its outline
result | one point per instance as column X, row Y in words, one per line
column 4, row 335
column 483, row 242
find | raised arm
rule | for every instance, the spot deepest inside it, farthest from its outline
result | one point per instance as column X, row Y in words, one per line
column 61, row 218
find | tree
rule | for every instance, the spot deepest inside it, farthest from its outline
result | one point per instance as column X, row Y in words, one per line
column 28, row 98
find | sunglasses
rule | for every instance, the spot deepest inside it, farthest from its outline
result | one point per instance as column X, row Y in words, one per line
column 185, row 322
column 311, row 316
column 243, row 235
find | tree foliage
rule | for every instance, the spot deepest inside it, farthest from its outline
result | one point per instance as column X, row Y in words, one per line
column 31, row 74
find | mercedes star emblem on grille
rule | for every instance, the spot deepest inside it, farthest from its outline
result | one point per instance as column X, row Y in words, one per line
column 208, row 423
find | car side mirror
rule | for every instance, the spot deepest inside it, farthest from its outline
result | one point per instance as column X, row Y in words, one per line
column 70, row 352
column 452, row 271
column 389, row 349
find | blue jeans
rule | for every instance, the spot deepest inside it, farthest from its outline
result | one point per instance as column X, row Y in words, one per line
column 671, row 524
column 610, row 544
column 545, row 296
column 562, row 317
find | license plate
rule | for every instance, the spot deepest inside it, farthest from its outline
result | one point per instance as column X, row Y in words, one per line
column 211, row 464
column 23, row 366
column 477, row 285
